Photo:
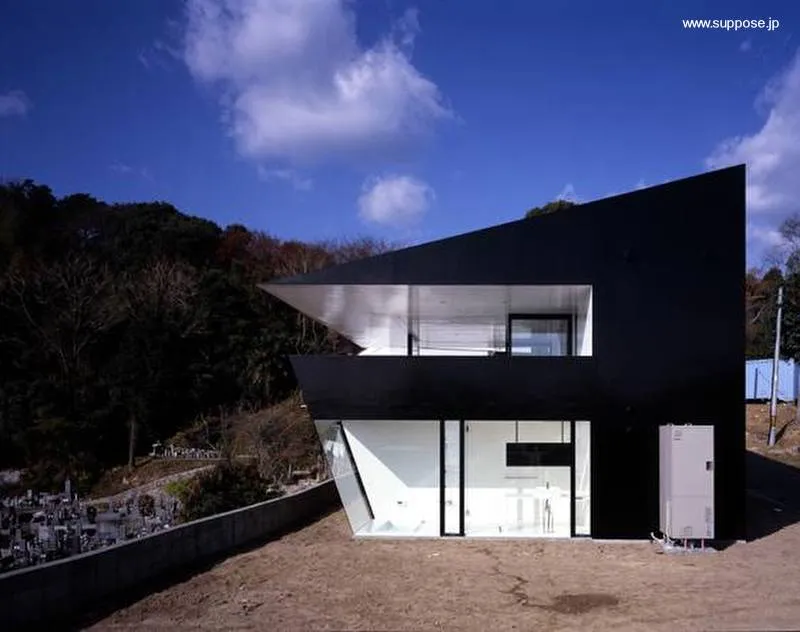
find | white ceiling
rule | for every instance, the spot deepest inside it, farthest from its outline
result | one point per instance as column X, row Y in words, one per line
column 463, row 316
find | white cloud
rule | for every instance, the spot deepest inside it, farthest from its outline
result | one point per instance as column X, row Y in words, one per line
column 772, row 155
column 394, row 200
column 290, row 176
column 128, row 170
column 14, row 103
column 298, row 85
column 159, row 55
column 769, row 237
column 568, row 194
column 143, row 59
column 119, row 167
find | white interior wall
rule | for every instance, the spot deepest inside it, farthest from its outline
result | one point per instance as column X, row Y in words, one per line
column 423, row 351
column 583, row 478
column 385, row 351
column 583, row 325
column 397, row 351
column 485, row 482
column 448, row 319
column 467, row 335
column 544, row 432
column 399, row 466
column 452, row 476
column 398, row 462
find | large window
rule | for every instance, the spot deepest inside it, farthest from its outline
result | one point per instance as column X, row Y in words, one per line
column 583, row 478
column 540, row 336
column 345, row 476
column 518, row 478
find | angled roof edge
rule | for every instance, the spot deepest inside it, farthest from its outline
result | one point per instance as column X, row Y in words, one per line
column 322, row 275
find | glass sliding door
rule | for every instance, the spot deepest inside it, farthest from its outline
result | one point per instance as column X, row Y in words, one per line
column 518, row 478
column 549, row 467
column 583, row 478
column 452, row 452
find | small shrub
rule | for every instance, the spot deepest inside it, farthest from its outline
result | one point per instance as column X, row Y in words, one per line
column 178, row 488
column 225, row 487
column 147, row 505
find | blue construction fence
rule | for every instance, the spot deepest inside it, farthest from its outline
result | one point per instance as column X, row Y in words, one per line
column 758, row 380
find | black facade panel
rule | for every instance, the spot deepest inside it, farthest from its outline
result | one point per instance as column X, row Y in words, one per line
column 624, row 479
column 666, row 265
column 439, row 387
column 538, row 454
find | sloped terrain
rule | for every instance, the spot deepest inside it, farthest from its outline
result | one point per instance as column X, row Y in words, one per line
column 787, row 449
column 149, row 471
column 320, row 578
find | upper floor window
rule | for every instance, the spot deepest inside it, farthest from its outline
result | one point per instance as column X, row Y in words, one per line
column 540, row 335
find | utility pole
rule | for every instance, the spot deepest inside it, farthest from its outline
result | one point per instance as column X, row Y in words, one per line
column 773, row 406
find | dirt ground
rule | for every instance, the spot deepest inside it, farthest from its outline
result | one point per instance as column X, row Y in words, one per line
column 320, row 578
column 787, row 449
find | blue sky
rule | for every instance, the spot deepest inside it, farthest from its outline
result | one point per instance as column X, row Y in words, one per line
column 411, row 121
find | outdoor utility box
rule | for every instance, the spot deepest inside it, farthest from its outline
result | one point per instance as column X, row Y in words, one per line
column 686, row 473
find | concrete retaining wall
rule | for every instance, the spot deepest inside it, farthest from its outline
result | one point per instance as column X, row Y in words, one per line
column 76, row 585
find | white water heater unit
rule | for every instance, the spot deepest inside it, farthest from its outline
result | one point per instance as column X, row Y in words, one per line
column 686, row 472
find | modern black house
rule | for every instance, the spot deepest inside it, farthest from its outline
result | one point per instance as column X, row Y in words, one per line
column 514, row 379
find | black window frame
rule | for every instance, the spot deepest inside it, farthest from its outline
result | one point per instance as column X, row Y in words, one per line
column 568, row 318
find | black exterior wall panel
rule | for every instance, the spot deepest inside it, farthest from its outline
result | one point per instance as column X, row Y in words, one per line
column 666, row 265
column 439, row 387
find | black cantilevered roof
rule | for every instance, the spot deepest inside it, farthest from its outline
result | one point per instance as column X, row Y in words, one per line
column 569, row 246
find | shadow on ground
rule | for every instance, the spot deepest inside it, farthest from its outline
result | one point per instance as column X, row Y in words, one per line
column 773, row 496
column 783, row 430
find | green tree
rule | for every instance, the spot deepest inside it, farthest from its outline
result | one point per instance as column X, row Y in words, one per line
column 550, row 207
column 124, row 323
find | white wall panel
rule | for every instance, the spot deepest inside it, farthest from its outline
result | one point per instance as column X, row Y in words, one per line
column 452, row 477
column 544, row 431
column 399, row 466
column 583, row 478
column 583, row 325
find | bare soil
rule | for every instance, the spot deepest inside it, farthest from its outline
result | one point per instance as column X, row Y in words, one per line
column 787, row 448
column 320, row 578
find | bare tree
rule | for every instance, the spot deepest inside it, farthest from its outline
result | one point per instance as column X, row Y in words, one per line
column 165, row 293
column 285, row 441
column 66, row 305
